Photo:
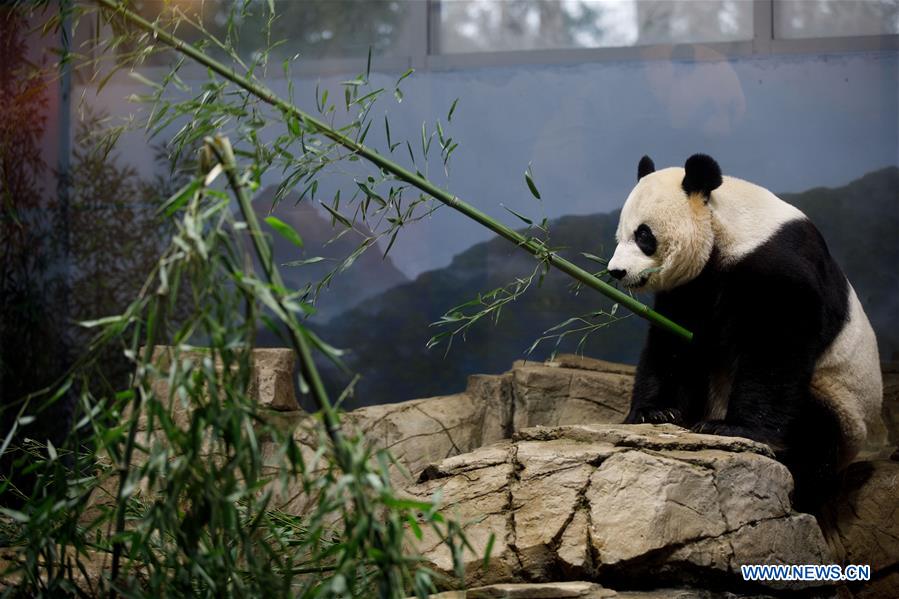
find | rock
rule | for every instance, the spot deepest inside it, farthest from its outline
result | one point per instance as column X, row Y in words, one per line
column 492, row 408
column 271, row 385
column 621, row 503
column 552, row 394
column 584, row 363
column 882, row 587
column 891, row 402
column 273, row 376
column 495, row 393
column 421, row 431
column 862, row 525
column 552, row 590
column 581, row 590
column 688, row 594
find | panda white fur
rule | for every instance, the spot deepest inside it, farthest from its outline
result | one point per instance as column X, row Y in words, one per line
column 782, row 351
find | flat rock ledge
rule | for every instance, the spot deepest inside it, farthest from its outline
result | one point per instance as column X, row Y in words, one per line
column 625, row 506
column 580, row 590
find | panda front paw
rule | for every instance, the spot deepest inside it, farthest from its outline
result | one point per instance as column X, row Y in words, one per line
column 714, row 427
column 719, row 427
column 654, row 416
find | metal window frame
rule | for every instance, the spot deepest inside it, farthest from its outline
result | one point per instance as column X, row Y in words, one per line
column 427, row 57
column 763, row 43
column 424, row 55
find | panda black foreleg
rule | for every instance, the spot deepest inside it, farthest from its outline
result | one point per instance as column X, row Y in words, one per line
column 765, row 404
column 659, row 393
column 774, row 406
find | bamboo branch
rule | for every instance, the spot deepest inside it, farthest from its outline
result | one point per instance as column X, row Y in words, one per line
column 221, row 147
column 529, row 245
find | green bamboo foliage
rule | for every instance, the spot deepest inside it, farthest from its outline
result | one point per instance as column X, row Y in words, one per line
column 160, row 514
column 301, row 119
column 190, row 509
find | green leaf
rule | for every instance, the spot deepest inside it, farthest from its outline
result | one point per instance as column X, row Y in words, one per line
column 293, row 124
column 449, row 116
column 144, row 80
column 369, row 95
column 413, row 524
column 304, row 262
column 530, row 181
column 521, row 216
column 285, row 230
column 180, row 198
column 387, row 129
column 594, row 258
column 489, row 549
column 15, row 515
column 338, row 216
column 403, row 76
column 101, row 322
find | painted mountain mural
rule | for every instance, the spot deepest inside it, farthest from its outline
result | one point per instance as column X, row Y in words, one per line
column 386, row 335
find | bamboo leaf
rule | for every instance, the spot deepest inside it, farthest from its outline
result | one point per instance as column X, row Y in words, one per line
column 138, row 77
column 102, row 322
column 529, row 179
column 338, row 216
column 285, row 230
column 180, row 198
column 489, row 549
column 594, row 258
column 295, row 263
column 520, row 216
column 403, row 76
column 449, row 116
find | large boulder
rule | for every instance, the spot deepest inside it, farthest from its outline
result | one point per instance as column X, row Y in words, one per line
column 581, row 590
column 862, row 525
column 570, row 390
column 891, row 401
column 618, row 504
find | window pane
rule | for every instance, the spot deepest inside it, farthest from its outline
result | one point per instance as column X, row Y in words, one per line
column 312, row 28
column 486, row 25
column 835, row 18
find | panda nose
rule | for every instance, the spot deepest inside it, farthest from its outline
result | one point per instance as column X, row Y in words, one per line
column 617, row 273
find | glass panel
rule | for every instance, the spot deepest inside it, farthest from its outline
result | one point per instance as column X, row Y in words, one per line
column 488, row 26
column 312, row 28
column 835, row 18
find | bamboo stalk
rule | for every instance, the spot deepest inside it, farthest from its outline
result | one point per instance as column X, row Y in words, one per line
column 224, row 154
column 423, row 184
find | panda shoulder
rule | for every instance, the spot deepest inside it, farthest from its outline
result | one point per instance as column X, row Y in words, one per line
column 747, row 216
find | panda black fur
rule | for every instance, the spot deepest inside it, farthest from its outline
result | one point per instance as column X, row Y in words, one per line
column 782, row 351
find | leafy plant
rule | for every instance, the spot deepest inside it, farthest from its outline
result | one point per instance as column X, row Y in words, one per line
column 351, row 138
column 176, row 486
column 178, row 493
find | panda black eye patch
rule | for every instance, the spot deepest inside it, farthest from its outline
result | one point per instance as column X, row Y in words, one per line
column 646, row 241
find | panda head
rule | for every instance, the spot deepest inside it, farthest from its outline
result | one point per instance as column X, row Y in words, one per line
column 665, row 234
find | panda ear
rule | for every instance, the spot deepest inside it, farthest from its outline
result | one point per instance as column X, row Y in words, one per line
column 645, row 167
column 702, row 175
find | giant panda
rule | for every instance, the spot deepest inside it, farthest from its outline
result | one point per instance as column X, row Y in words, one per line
column 782, row 353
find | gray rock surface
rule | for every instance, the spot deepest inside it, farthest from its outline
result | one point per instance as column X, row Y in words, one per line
column 862, row 525
column 571, row 390
column 580, row 590
column 891, row 401
column 597, row 502
column 602, row 502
